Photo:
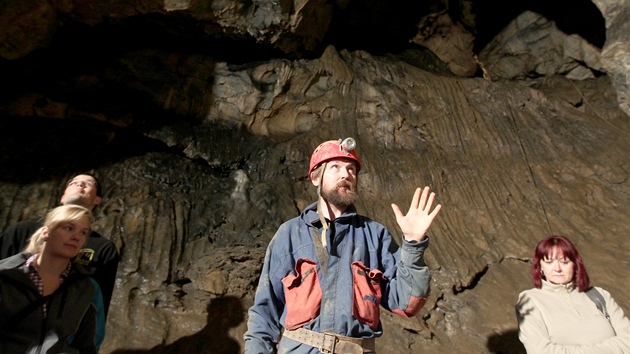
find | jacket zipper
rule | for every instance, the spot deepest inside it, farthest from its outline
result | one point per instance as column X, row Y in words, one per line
column 42, row 334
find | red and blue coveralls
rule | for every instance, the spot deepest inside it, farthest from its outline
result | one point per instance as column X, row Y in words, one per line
column 365, row 269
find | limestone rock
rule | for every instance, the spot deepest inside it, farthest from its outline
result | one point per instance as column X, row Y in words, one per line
column 452, row 43
column 615, row 52
column 531, row 46
column 203, row 153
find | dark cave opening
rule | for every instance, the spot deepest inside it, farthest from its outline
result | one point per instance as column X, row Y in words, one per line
column 387, row 28
column 579, row 17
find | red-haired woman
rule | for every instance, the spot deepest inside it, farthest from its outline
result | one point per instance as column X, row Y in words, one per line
column 559, row 316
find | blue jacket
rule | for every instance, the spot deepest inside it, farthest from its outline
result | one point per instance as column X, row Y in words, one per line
column 366, row 268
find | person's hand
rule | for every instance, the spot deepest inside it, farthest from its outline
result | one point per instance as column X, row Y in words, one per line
column 415, row 224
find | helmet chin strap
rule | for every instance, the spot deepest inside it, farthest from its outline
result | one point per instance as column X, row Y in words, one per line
column 320, row 202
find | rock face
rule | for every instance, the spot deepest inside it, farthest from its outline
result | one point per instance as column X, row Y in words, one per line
column 615, row 52
column 532, row 46
column 203, row 152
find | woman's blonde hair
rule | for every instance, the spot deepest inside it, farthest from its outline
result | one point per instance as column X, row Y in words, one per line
column 54, row 218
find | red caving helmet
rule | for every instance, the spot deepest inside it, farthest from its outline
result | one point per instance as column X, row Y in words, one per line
column 334, row 149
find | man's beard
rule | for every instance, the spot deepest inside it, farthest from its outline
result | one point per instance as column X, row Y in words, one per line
column 341, row 200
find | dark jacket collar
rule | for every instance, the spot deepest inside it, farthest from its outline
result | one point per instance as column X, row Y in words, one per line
column 310, row 217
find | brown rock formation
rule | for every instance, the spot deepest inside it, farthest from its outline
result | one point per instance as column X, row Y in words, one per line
column 202, row 145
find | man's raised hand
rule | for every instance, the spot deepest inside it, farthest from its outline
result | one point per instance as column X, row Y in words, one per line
column 415, row 224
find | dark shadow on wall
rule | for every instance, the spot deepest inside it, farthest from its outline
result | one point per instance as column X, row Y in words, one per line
column 506, row 343
column 34, row 149
column 223, row 314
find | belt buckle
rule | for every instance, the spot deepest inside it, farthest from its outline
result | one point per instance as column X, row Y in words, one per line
column 329, row 342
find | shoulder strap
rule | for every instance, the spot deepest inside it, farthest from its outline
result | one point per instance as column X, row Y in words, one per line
column 322, row 253
column 599, row 301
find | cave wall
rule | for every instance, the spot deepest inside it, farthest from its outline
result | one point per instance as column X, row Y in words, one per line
column 203, row 152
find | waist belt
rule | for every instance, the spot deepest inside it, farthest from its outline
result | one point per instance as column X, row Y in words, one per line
column 330, row 342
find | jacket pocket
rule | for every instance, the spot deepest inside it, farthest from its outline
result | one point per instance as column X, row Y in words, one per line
column 302, row 293
column 367, row 294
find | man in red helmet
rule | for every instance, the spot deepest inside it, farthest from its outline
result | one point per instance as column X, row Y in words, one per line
column 327, row 271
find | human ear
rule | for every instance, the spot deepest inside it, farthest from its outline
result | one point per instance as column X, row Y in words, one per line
column 45, row 233
column 315, row 178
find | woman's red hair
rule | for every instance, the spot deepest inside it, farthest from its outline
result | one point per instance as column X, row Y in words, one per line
column 562, row 245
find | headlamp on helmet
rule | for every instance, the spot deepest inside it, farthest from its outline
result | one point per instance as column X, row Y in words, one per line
column 334, row 149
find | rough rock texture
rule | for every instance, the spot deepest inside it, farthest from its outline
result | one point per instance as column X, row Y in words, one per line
column 531, row 46
column 615, row 53
column 203, row 153
column 29, row 25
column 451, row 42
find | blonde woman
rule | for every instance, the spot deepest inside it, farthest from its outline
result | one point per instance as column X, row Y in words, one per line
column 47, row 302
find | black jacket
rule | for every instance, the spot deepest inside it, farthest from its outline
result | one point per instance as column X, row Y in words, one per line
column 72, row 312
